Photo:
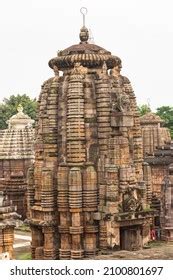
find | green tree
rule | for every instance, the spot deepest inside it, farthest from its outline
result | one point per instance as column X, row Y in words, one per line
column 144, row 109
column 166, row 113
column 8, row 107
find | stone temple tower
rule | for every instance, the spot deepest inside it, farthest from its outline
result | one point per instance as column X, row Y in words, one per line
column 86, row 190
column 16, row 155
column 154, row 135
column 167, row 206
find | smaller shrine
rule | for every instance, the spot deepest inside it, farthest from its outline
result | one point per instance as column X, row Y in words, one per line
column 16, row 155
column 153, row 133
column 167, row 206
column 158, row 157
column 8, row 218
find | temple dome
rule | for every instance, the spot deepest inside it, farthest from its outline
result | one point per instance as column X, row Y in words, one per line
column 88, row 55
column 20, row 120
column 16, row 142
column 151, row 118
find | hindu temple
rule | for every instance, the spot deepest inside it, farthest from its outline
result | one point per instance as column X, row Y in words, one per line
column 86, row 189
column 16, row 155
column 154, row 134
column 158, row 156
column 167, row 206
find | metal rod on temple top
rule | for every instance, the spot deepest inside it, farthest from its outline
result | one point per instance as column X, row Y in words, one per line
column 83, row 11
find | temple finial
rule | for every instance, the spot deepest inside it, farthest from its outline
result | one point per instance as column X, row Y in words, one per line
column 20, row 108
column 84, row 34
column 83, row 11
column 148, row 103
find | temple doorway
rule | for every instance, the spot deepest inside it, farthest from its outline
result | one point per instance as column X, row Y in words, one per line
column 130, row 238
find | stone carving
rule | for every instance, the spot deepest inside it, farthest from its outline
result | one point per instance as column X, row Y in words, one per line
column 115, row 72
column 121, row 103
column 20, row 109
column 120, row 99
column 153, row 133
column 83, row 161
column 8, row 217
column 158, row 154
column 130, row 202
column 104, row 68
column 167, row 206
column 56, row 72
column 78, row 69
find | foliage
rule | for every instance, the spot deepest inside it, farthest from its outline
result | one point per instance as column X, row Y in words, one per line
column 166, row 113
column 24, row 227
column 144, row 109
column 8, row 108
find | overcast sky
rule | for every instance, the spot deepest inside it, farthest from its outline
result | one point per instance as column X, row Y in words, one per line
column 140, row 32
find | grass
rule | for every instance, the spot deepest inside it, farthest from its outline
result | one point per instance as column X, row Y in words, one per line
column 24, row 227
column 156, row 243
column 24, row 256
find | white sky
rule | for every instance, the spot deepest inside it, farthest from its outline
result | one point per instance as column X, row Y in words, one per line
column 140, row 32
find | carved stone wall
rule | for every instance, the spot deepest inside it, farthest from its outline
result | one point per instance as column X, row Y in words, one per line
column 153, row 133
column 157, row 170
column 7, row 224
column 157, row 155
column 86, row 189
column 167, row 206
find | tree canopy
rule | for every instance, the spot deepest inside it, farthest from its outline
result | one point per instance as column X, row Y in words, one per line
column 144, row 109
column 8, row 107
column 166, row 113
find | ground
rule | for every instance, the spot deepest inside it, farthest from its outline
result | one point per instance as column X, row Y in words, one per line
column 156, row 250
column 21, row 246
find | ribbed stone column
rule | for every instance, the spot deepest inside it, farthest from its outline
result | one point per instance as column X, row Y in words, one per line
column 8, row 240
column 37, row 240
column 48, row 192
column 90, row 205
column 30, row 190
column 103, row 112
column 50, row 247
column 64, row 214
column 75, row 205
column 167, row 207
column 75, row 121
column 148, row 180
